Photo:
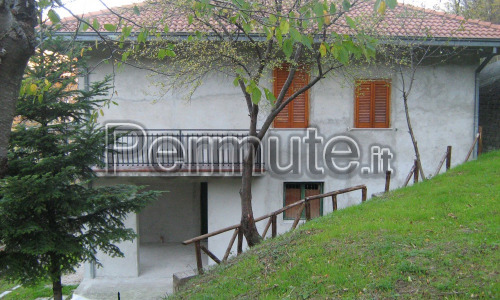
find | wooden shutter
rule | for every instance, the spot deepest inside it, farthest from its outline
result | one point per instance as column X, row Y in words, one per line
column 363, row 104
column 313, row 189
column 297, row 191
column 296, row 113
column 381, row 94
column 283, row 119
column 372, row 104
column 292, row 194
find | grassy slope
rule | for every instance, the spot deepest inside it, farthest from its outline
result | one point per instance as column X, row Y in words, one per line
column 34, row 292
column 435, row 239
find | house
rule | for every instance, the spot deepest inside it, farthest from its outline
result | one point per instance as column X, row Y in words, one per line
column 354, row 127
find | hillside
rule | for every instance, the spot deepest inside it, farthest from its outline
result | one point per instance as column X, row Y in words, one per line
column 436, row 239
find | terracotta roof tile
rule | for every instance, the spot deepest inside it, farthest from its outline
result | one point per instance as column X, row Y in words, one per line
column 404, row 20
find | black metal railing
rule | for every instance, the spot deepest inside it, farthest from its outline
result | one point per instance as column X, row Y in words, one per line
column 180, row 150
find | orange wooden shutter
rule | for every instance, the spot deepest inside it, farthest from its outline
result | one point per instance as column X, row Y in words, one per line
column 300, row 111
column 313, row 190
column 363, row 104
column 296, row 113
column 381, row 93
column 372, row 108
column 283, row 119
column 292, row 195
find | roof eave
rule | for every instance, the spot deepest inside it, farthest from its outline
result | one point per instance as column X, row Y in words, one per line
column 431, row 41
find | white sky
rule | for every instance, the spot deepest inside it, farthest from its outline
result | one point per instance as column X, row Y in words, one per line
column 84, row 6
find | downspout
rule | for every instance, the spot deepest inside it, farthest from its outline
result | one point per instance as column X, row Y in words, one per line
column 476, row 94
column 86, row 83
column 86, row 80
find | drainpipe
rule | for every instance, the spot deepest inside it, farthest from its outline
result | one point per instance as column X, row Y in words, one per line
column 86, row 83
column 476, row 94
column 86, row 80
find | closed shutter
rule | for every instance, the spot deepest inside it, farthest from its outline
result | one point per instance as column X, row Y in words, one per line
column 297, row 191
column 313, row 190
column 372, row 104
column 293, row 194
column 363, row 104
column 296, row 113
column 283, row 119
column 381, row 104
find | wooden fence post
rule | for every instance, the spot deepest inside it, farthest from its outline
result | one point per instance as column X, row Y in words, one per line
column 448, row 158
column 334, row 202
column 308, row 210
column 274, row 226
column 363, row 194
column 387, row 180
column 415, row 172
column 199, row 263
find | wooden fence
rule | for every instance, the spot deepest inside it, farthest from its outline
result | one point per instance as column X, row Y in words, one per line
column 414, row 171
column 304, row 204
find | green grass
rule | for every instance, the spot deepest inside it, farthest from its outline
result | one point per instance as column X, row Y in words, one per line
column 437, row 239
column 31, row 292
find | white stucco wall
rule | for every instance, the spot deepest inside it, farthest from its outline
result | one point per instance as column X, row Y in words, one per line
column 441, row 106
column 175, row 217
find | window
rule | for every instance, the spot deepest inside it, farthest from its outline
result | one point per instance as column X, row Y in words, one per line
column 296, row 113
column 295, row 191
column 372, row 109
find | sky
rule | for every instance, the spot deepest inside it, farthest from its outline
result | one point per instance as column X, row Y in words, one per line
column 84, row 6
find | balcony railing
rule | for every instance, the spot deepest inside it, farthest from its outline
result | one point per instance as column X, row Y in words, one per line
column 191, row 151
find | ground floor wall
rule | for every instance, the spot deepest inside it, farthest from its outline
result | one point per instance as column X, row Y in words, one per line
column 178, row 213
column 173, row 218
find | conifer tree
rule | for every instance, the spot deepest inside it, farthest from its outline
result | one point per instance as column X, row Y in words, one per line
column 50, row 218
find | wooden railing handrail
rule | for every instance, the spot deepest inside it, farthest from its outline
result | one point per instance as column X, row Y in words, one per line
column 338, row 192
column 277, row 212
column 272, row 223
column 210, row 234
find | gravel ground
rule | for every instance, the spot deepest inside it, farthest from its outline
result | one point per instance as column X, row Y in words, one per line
column 73, row 278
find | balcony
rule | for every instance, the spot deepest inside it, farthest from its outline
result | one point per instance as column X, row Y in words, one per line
column 187, row 152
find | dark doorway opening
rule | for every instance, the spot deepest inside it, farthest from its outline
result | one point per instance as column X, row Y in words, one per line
column 204, row 207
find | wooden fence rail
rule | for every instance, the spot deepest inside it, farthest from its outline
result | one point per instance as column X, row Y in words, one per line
column 304, row 204
column 478, row 140
column 413, row 173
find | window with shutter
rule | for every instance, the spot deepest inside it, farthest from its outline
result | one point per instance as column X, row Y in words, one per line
column 372, row 107
column 296, row 113
column 295, row 191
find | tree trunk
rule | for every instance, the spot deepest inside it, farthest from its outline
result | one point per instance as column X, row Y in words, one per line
column 55, row 275
column 412, row 135
column 57, row 289
column 247, row 219
column 17, row 44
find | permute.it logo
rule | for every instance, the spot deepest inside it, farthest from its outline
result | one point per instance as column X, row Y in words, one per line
column 280, row 153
